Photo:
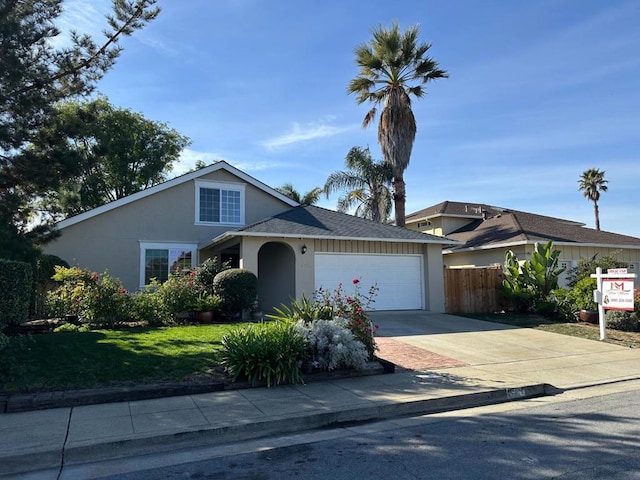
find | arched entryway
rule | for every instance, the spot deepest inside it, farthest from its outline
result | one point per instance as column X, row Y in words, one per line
column 276, row 275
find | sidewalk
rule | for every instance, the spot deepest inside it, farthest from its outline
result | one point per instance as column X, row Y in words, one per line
column 444, row 363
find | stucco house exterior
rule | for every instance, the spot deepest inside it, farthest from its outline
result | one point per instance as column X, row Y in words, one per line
column 223, row 212
column 486, row 232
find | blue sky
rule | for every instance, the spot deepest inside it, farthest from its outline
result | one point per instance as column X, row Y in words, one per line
column 539, row 91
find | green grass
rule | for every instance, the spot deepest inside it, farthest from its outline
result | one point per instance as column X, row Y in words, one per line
column 582, row 330
column 109, row 357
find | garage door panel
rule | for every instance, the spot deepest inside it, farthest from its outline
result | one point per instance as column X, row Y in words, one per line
column 398, row 277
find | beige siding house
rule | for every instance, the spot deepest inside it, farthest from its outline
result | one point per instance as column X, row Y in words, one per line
column 486, row 232
column 223, row 212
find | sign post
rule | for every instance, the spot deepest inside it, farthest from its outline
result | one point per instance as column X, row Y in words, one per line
column 614, row 291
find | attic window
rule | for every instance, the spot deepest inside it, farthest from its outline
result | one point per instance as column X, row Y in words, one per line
column 219, row 203
column 426, row 223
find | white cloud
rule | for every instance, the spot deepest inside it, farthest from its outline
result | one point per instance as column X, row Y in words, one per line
column 82, row 16
column 302, row 133
column 188, row 158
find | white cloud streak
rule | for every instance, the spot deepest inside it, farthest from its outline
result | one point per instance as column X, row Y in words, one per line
column 303, row 133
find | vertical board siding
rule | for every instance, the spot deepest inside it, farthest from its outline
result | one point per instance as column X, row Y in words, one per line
column 473, row 290
column 343, row 246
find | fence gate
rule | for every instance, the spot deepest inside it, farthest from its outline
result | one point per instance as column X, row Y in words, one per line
column 473, row 290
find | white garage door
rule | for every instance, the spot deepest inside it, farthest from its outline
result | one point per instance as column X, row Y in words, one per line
column 399, row 277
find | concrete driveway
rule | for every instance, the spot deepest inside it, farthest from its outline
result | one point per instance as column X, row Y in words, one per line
column 484, row 352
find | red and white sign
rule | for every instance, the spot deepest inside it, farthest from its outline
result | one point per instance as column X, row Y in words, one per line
column 617, row 294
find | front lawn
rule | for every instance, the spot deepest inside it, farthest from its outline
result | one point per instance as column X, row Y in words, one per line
column 110, row 357
column 582, row 330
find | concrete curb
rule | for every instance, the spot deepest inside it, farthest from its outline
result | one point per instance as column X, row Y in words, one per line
column 121, row 448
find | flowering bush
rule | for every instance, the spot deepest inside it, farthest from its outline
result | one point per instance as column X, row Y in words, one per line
column 105, row 301
column 331, row 344
column 98, row 299
column 180, row 293
column 149, row 307
column 335, row 304
column 353, row 309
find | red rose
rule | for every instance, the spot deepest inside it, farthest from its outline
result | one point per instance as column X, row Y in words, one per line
column 355, row 281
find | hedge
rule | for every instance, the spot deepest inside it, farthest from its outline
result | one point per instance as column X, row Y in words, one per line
column 16, row 286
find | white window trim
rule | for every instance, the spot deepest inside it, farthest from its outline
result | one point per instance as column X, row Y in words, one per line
column 237, row 187
column 193, row 247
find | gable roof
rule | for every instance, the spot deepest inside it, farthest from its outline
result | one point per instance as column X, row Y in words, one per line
column 315, row 222
column 466, row 210
column 496, row 227
column 219, row 165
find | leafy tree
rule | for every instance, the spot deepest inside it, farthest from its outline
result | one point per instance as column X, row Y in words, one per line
column 309, row 198
column 34, row 76
column 394, row 66
column 367, row 184
column 591, row 183
column 119, row 153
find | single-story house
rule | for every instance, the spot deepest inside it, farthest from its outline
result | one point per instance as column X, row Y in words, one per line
column 486, row 232
column 223, row 212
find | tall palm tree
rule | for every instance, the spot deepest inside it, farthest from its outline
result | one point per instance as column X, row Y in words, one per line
column 591, row 183
column 367, row 183
column 309, row 198
column 393, row 66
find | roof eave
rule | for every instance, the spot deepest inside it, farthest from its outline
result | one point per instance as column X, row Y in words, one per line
column 170, row 184
column 228, row 235
column 533, row 242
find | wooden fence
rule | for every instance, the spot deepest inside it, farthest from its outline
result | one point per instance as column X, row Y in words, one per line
column 473, row 290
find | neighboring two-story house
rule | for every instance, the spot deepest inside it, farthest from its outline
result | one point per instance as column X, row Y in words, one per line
column 486, row 232
column 223, row 212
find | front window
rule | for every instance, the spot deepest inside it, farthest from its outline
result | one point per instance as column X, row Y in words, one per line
column 219, row 203
column 160, row 260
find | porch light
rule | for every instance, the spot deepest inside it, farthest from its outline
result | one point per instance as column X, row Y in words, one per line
column 303, row 250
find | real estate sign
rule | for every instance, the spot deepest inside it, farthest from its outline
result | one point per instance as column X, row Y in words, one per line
column 617, row 293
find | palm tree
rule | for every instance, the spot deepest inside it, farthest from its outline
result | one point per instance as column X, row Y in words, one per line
column 367, row 183
column 309, row 198
column 592, row 182
column 393, row 66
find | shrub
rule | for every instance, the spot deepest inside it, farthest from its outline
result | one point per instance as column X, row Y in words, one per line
column 331, row 345
column 180, row 293
column 330, row 305
column 237, row 289
column 622, row 320
column 207, row 271
column 148, row 307
column 98, row 299
column 529, row 285
column 354, row 310
column 43, row 271
column 565, row 305
column 588, row 266
column 270, row 352
column 16, row 288
column 106, row 302
column 208, row 303
column 70, row 327
column 69, row 298
column 582, row 294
